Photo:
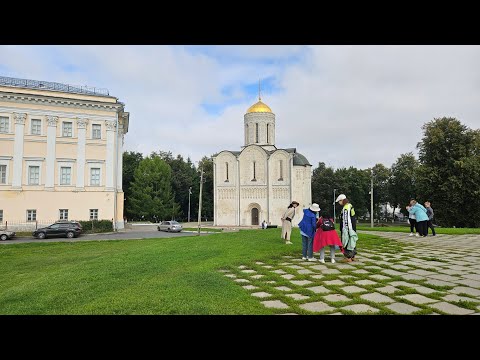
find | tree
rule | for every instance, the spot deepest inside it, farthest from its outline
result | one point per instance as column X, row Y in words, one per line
column 381, row 176
column 151, row 190
column 131, row 160
column 323, row 183
column 402, row 183
column 449, row 175
column 207, row 196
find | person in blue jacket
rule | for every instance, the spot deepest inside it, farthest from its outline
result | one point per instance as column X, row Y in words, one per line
column 308, row 226
column 421, row 216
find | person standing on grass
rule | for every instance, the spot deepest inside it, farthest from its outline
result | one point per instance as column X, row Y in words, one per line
column 413, row 223
column 287, row 221
column 307, row 226
column 421, row 217
column 326, row 235
column 430, row 217
column 348, row 228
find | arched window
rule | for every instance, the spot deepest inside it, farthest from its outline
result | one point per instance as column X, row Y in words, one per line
column 254, row 171
column 247, row 140
column 280, row 165
column 268, row 133
column 256, row 133
column 226, row 172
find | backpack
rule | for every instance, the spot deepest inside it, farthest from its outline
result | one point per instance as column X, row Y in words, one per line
column 327, row 225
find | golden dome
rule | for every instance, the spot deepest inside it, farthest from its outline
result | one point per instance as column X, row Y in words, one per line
column 259, row 107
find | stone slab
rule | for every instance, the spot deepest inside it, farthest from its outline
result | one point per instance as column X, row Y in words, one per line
column 379, row 277
column 242, row 267
column 436, row 282
column 451, row 309
column 360, row 308
column 250, row 287
column 279, row 271
column 422, row 272
column 465, row 290
column 259, row 263
column 412, row 277
column 331, row 271
column 296, row 267
column 334, row 282
column 445, row 277
column 317, row 306
column 353, row 289
column 392, row 272
column 305, row 271
column 258, row 276
column 360, row 271
column 248, row 271
column 418, row 299
column 365, row 282
column 261, row 294
column 387, row 289
column 402, row 308
column 319, row 290
column 275, row 304
column 298, row 296
column 288, row 276
column 424, row 290
column 377, row 298
column 241, row 280
column 469, row 283
column 336, row 298
column 232, row 276
column 456, row 298
column 300, row 282
column 283, row 288
column 318, row 267
column 318, row 276
column 400, row 267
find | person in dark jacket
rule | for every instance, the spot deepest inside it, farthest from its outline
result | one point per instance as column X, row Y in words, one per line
column 430, row 217
column 308, row 226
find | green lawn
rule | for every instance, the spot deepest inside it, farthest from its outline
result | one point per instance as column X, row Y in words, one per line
column 406, row 229
column 202, row 229
column 155, row 276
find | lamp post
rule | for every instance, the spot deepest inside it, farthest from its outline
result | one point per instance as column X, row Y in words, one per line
column 334, row 198
column 200, row 201
column 371, row 199
column 189, row 193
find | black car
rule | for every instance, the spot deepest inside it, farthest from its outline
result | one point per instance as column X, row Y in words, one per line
column 59, row 229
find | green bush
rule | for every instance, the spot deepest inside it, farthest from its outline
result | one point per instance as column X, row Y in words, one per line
column 96, row 226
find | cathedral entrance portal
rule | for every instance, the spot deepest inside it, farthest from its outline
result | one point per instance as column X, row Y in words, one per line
column 255, row 216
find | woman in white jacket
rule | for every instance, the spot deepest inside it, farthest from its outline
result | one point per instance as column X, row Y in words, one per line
column 287, row 221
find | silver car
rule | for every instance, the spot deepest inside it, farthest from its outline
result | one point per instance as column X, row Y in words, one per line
column 170, row 226
column 6, row 235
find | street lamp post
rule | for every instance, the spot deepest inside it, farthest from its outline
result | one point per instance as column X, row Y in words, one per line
column 371, row 199
column 200, row 202
column 334, row 198
column 189, row 193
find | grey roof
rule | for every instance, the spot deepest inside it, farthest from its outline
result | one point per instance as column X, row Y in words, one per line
column 48, row 85
column 298, row 159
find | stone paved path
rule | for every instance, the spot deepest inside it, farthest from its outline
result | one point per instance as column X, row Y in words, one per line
column 433, row 275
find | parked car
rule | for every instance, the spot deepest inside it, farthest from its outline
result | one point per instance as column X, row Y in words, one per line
column 59, row 229
column 171, row 226
column 6, row 235
column 73, row 222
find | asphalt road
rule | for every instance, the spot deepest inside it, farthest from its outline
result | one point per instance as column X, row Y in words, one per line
column 124, row 235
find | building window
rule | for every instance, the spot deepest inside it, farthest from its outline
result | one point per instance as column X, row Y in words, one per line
column 226, row 172
column 3, row 174
column 31, row 215
column 95, row 177
column 93, row 214
column 65, row 175
column 36, row 127
column 1, row 216
column 63, row 214
column 268, row 135
column 281, row 170
column 96, row 131
column 254, row 171
column 4, row 124
column 256, row 133
column 33, row 175
column 67, row 129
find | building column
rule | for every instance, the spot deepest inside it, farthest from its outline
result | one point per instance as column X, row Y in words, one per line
column 19, row 119
column 82, row 137
column 52, row 122
column 109, row 166
column 120, row 140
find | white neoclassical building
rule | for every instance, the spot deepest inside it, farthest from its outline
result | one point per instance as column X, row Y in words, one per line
column 258, row 182
column 61, row 152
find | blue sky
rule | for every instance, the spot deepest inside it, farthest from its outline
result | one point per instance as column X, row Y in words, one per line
column 343, row 105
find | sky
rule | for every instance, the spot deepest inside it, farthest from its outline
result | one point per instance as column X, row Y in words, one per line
column 341, row 105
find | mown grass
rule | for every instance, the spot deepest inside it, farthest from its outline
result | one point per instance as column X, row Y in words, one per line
column 172, row 276
column 404, row 229
column 203, row 229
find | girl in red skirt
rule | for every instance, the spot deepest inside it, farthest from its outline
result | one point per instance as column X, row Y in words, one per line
column 326, row 235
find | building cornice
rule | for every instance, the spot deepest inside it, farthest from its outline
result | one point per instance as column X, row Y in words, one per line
column 65, row 102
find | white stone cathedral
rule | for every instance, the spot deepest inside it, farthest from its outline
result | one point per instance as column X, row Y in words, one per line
column 258, row 182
